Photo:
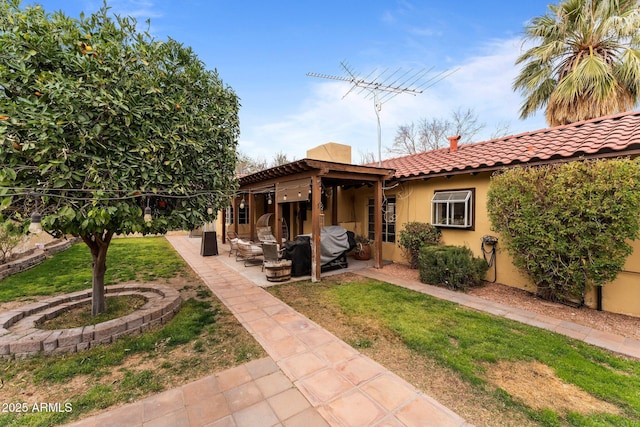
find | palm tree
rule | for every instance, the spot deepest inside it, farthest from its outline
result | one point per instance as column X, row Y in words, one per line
column 587, row 62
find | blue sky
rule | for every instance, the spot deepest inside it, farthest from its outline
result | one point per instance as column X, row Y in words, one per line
column 264, row 50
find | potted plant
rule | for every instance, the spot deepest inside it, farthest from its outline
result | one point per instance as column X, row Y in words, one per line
column 362, row 250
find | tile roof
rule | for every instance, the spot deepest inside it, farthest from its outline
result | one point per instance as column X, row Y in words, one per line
column 615, row 135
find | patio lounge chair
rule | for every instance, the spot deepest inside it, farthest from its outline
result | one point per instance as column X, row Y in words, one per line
column 249, row 252
column 232, row 238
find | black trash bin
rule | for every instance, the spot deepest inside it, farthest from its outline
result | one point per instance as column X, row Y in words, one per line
column 299, row 252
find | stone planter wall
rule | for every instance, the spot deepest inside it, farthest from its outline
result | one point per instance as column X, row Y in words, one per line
column 20, row 336
column 33, row 257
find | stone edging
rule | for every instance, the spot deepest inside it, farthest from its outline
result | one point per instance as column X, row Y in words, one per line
column 20, row 337
column 33, row 257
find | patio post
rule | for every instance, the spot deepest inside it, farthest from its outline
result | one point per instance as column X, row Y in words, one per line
column 377, row 224
column 316, row 183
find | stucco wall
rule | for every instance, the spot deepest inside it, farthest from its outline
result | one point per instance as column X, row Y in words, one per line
column 413, row 203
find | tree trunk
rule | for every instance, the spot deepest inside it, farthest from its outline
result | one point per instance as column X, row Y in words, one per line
column 98, row 244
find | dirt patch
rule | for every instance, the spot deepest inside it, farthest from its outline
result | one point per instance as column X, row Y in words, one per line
column 538, row 387
column 80, row 315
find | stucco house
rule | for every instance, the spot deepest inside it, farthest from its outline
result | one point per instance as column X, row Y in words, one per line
column 446, row 187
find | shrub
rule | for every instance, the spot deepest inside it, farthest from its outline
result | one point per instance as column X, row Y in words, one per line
column 10, row 237
column 414, row 236
column 569, row 225
column 452, row 266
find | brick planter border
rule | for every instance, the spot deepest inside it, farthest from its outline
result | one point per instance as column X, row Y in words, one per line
column 35, row 256
column 20, row 337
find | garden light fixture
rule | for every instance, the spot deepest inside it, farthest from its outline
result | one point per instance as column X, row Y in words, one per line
column 36, row 218
column 147, row 213
column 36, row 223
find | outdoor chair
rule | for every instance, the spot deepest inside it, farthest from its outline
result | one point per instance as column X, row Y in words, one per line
column 271, row 253
column 249, row 252
column 232, row 237
column 265, row 232
column 265, row 235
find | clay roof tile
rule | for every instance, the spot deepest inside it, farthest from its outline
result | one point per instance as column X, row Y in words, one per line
column 611, row 134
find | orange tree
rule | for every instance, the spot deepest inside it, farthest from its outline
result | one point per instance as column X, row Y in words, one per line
column 100, row 122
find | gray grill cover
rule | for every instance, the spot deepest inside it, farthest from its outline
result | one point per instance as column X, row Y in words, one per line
column 333, row 242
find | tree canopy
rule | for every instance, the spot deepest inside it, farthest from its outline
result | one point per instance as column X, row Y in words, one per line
column 99, row 121
column 585, row 62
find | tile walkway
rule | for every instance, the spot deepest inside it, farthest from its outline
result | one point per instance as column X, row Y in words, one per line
column 311, row 378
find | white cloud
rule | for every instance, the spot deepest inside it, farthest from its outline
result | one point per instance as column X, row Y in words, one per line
column 482, row 83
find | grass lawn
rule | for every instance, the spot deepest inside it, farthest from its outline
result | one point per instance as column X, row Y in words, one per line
column 203, row 337
column 490, row 370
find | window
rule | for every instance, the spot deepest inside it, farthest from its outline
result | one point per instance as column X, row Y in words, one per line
column 453, row 208
column 229, row 215
column 243, row 215
column 388, row 220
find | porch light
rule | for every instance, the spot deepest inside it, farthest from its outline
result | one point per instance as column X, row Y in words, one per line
column 285, row 197
column 210, row 210
column 242, row 203
column 299, row 194
column 269, row 201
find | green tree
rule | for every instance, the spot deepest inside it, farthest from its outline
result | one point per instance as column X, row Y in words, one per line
column 568, row 226
column 585, row 62
column 100, row 121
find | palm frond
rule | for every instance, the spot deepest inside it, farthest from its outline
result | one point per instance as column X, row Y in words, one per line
column 586, row 60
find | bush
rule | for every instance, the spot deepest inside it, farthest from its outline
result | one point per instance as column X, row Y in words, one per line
column 414, row 236
column 452, row 266
column 10, row 237
column 568, row 226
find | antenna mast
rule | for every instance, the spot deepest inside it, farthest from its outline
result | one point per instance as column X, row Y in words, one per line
column 383, row 86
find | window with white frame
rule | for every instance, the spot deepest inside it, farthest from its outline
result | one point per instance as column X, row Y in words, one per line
column 229, row 215
column 453, row 208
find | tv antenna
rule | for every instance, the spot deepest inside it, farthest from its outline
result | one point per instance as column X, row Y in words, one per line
column 384, row 86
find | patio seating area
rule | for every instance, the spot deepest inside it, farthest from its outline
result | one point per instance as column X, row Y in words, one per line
column 260, row 278
column 336, row 245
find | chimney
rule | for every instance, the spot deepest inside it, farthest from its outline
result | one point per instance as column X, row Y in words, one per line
column 453, row 143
